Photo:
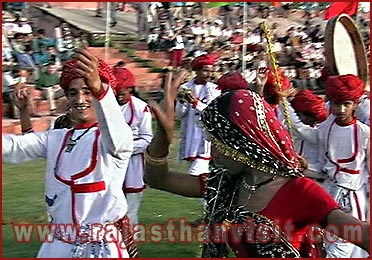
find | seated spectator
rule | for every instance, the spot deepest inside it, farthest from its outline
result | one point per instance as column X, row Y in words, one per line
column 189, row 9
column 41, row 57
column 12, row 80
column 64, row 41
column 163, row 16
column 48, row 83
column 22, row 25
column 7, row 51
column 41, row 39
column 197, row 29
column 54, row 57
column 153, row 39
column 22, row 54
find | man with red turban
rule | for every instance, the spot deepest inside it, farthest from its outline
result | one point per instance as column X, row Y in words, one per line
column 343, row 143
column 271, row 90
column 362, row 111
column 311, row 111
column 194, row 147
column 309, row 107
column 86, row 165
column 138, row 117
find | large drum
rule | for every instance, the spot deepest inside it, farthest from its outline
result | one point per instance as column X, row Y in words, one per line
column 344, row 48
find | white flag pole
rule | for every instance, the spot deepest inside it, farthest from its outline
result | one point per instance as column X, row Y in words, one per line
column 107, row 35
column 244, row 36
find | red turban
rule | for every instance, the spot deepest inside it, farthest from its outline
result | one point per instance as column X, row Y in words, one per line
column 69, row 73
column 202, row 60
column 125, row 78
column 344, row 87
column 307, row 102
column 231, row 81
column 270, row 90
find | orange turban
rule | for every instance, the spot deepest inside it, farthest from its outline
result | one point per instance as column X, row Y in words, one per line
column 231, row 81
column 125, row 78
column 202, row 60
column 344, row 87
column 270, row 90
column 69, row 73
column 307, row 102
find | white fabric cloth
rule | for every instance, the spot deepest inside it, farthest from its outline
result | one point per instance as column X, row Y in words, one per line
column 83, row 187
column 9, row 81
column 199, row 166
column 138, row 117
column 134, row 202
column 363, row 111
column 329, row 136
column 305, row 147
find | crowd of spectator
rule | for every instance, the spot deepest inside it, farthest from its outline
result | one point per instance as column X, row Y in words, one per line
column 177, row 27
column 29, row 56
column 185, row 30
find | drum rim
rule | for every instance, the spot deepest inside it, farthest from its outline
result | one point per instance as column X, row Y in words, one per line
column 357, row 42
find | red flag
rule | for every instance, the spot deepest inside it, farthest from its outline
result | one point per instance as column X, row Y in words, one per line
column 338, row 8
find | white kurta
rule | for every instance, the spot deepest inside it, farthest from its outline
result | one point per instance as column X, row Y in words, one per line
column 344, row 158
column 82, row 187
column 305, row 147
column 138, row 117
column 193, row 141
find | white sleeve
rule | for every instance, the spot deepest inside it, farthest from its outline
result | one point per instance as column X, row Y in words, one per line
column 22, row 148
column 116, row 135
column 144, row 133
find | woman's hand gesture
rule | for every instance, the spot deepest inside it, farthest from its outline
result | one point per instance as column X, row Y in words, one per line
column 164, row 111
column 21, row 98
column 261, row 79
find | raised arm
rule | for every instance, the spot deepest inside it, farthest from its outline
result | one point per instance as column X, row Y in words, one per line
column 117, row 137
column 22, row 148
column 157, row 172
column 21, row 101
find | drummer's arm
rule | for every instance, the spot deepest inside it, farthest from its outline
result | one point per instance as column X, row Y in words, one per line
column 318, row 166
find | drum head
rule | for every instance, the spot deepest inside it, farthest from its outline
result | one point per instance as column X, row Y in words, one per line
column 344, row 48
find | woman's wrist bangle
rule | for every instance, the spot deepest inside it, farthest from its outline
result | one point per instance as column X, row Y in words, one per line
column 28, row 130
column 155, row 161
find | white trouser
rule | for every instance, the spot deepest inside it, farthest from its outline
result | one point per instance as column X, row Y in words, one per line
column 356, row 204
column 114, row 248
column 134, row 202
column 199, row 166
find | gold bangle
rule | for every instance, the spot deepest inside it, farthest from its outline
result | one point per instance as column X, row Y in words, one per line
column 155, row 161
